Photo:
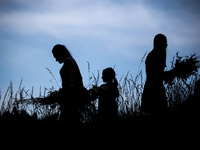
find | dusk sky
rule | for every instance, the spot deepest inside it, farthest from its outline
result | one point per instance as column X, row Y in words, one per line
column 105, row 33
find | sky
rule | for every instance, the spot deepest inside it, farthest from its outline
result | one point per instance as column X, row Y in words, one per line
column 105, row 33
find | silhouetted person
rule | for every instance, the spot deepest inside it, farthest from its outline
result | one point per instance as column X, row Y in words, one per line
column 108, row 92
column 72, row 85
column 154, row 98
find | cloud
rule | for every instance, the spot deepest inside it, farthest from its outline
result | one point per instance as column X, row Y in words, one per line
column 105, row 33
column 90, row 18
column 123, row 25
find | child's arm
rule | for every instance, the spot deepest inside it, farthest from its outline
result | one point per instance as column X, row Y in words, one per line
column 94, row 92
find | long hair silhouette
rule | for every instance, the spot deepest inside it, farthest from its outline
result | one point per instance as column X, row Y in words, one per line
column 72, row 85
column 108, row 93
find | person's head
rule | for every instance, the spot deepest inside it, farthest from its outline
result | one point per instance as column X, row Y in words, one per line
column 108, row 75
column 160, row 41
column 60, row 52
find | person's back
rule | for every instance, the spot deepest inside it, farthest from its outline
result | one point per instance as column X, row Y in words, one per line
column 72, row 86
column 70, row 74
column 155, row 67
column 153, row 97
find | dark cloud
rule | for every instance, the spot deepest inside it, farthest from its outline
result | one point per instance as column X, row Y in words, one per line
column 192, row 6
column 10, row 5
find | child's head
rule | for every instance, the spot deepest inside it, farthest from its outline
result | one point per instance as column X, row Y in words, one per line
column 108, row 75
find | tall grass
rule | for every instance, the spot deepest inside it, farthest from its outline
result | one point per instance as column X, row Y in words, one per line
column 130, row 90
column 23, row 100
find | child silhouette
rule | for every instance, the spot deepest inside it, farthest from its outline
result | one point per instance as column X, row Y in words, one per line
column 108, row 92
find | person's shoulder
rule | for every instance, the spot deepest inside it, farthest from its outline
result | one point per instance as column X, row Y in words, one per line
column 151, row 53
column 103, row 86
column 106, row 87
column 151, row 56
column 69, row 60
column 148, row 56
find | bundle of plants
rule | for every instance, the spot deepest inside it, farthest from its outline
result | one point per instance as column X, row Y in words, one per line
column 183, row 67
column 186, row 66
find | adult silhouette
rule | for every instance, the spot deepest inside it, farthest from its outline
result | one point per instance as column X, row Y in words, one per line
column 154, row 98
column 72, row 85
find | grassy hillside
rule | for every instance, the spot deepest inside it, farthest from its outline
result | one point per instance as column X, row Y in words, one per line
column 182, row 93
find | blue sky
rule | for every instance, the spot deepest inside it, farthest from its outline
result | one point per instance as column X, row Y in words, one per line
column 105, row 33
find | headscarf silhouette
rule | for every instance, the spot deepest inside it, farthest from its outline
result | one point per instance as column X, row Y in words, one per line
column 154, row 99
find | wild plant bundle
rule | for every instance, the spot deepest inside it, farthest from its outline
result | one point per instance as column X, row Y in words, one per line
column 186, row 66
column 182, row 68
